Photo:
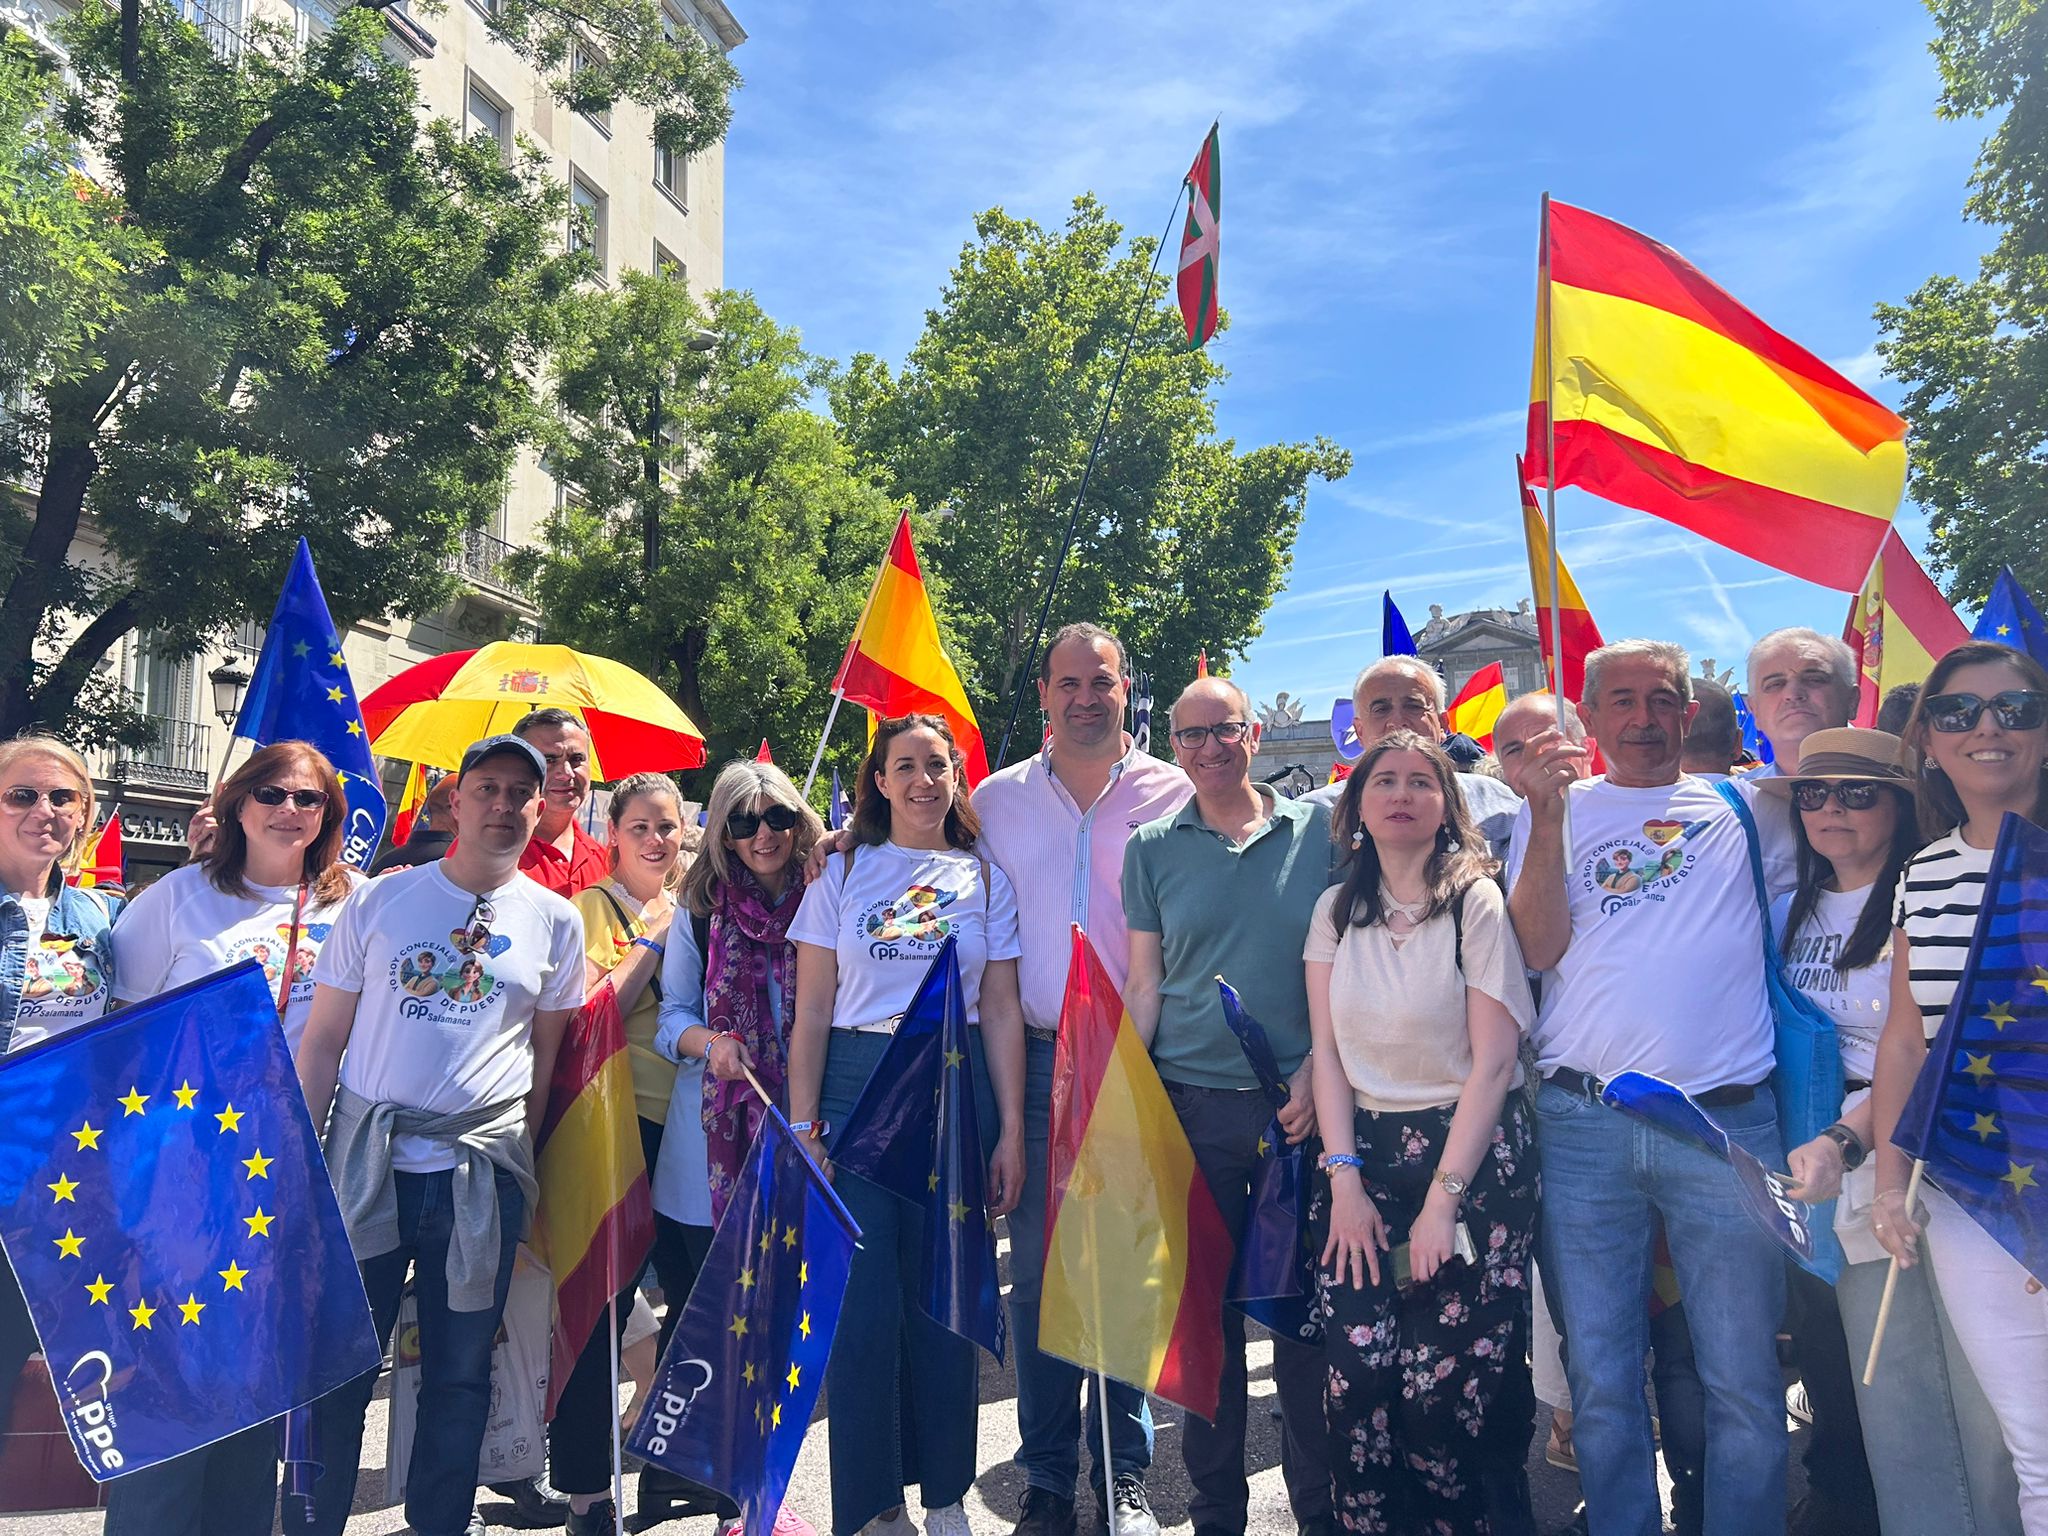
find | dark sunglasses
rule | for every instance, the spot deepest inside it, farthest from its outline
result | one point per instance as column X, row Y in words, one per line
column 1229, row 732
column 1849, row 794
column 2017, row 709
column 272, row 794
column 481, row 916
column 20, row 797
column 741, row 825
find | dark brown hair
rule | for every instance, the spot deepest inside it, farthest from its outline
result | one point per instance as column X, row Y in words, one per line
column 870, row 821
column 1940, row 807
column 323, row 870
column 1460, row 858
column 1873, row 928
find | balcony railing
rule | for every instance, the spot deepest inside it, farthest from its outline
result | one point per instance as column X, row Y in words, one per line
column 481, row 558
column 179, row 759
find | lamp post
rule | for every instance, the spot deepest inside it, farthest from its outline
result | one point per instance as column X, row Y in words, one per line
column 230, row 680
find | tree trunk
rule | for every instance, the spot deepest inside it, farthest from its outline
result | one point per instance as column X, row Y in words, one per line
column 686, row 655
column 39, row 570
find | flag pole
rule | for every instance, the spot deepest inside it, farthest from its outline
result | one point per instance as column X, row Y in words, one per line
column 859, row 629
column 1108, row 1470
column 618, row 1447
column 1550, row 505
column 824, row 736
column 1891, row 1279
column 1087, row 471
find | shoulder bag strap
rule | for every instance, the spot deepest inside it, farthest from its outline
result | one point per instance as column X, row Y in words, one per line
column 291, row 953
column 1728, row 792
column 626, row 922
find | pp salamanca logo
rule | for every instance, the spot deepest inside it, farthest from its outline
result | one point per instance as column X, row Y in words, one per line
column 90, row 1410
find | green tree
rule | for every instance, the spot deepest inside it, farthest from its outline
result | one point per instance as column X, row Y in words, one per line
column 292, row 308
column 1973, row 353
column 1183, row 541
column 719, row 537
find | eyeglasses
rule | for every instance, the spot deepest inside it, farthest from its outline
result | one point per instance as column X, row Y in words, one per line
column 1228, row 732
column 741, row 825
column 1849, row 794
column 22, row 797
column 2017, row 709
column 478, row 928
column 274, row 794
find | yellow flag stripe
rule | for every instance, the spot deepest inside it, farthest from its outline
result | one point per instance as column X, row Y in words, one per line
column 583, row 1167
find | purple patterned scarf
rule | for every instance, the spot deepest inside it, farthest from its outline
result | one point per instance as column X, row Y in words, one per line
column 748, row 944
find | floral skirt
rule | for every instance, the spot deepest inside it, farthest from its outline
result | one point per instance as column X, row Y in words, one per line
column 1415, row 1373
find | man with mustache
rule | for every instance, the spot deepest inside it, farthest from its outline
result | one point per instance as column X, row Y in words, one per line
column 1666, row 979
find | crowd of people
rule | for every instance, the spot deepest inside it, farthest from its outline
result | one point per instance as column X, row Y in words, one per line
column 1449, row 966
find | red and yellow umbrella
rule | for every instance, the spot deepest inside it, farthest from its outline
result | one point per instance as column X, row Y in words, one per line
column 430, row 712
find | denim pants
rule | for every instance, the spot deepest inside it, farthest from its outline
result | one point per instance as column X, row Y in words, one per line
column 1937, row 1458
column 902, row 1392
column 1606, row 1178
column 1051, row 1421
column 455, row 1365
column 228, row 1488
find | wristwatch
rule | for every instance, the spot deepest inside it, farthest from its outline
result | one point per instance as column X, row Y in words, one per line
column 1453, row 1185
column 1853, row 1150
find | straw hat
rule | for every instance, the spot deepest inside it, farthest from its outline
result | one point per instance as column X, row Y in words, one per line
column 1848, row 752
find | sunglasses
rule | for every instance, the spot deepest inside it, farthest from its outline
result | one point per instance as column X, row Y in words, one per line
column 1849, row 794
column 20, row 797
column 2017, row 709
column 1228, row 732
column 478, row 926
column 272, row 794
column 741, row 825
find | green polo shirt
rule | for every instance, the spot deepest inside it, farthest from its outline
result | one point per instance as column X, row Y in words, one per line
column 1240, row 911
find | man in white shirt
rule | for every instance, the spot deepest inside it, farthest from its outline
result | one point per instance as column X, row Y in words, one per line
column 1057, row 825
column 1654, row 941
column 1800, row 681
column 448, row 987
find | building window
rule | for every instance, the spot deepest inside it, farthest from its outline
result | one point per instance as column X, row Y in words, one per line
column 669, row 265
column 316, row 20
column 586, row 220
column 491, row 8
column 672, row 174
column 489, row 115
column 583, row 57
column 674, row 22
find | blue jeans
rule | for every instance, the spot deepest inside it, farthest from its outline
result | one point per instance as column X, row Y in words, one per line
column 228, row 1488
column 1050, row 1422
column 455, row 1365
column 1606, row 1177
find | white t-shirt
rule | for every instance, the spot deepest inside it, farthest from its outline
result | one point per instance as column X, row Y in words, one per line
column 65, row 981
column 1664, row 971
column 183, row 928
column 889, row 923
column 439, row 1026
column 1856, row 1000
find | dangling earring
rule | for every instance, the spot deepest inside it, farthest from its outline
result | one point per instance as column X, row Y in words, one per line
column 1358, row 837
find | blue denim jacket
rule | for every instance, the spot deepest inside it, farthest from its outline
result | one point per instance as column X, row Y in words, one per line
column 85, row 917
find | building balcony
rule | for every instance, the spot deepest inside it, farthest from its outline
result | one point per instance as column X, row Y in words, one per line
column 481, row 559
column 180, row 759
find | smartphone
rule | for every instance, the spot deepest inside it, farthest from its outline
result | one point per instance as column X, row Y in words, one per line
column 1404, row 1269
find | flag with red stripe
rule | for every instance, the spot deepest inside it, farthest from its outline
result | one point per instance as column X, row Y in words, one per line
column 1196, row 283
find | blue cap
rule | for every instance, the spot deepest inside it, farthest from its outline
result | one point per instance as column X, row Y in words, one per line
column 503, row 746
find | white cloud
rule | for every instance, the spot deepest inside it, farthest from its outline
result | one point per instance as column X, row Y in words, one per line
column 1490, row 424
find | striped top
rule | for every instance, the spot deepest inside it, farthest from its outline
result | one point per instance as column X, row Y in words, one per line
column 1940, row 892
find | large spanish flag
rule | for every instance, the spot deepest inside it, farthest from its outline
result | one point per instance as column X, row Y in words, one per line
column 595, row 1222
column 410, row 799
column 1899, row 625
column 1478, row 704
column 1670, row 397
column 100, row 860
column 1581, row 636
column 894, row 664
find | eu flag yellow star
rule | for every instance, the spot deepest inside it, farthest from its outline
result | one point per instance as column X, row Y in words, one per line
column 355, row 727
column 1998, row 1015
column 958, row 1210
column 230, row 1119
column 775, row 1417
column 803, row 1272
column 954, row 1058
column 768, row 1235
column 748, row 1373
column 184, row 1093
column 190, row 1307
column 804, row 1327
column 2004, row 630
column 2040, row 978
column 233, row 1276
column 300, row 648
column 791, row 1378
column 334, row 695
column 99, row 1290
column 259, row 1224
column 931, row 1181
column 1979, row 1067
column 746, row 1279
column 789, row 1237
column 1984, row 1127
column 738, row 1326
column 142, row 1312
column 2019, row 1175
column 86, row 1137
column 259, row 1165
column 1265, row 1146
column 69, row 1244
column 63, row 1189
column 336, row 659
column 131, row 1103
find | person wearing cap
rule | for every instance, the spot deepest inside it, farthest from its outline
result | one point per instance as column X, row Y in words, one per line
column 1929, row 1434
column 428, row 1102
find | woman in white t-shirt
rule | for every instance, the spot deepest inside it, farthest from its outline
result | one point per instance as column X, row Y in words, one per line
column 1982, row 724
column 866, row 934
column 1934, row 1454
column 266, row 890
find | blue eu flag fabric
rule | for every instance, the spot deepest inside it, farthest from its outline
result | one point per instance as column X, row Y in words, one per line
column 302, row 692
column 1271, row 1277
column 1394, row 637
column 1753, row 738
column 837, row 810
column 2011, row 618
column 1978, row 1113
column 735, row 1391
column 166, row 1208
column 914, row 1131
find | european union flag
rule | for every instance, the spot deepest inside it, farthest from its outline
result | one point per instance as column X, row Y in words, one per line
column 1978, row 1113
column 1753, row 738
column 735, row 1391
column 2010, row 618
column 1270, row 1278
column 1394, row 637
column 302, row 692
column 837, row 809
column 914, row 1131
column 165, row 1205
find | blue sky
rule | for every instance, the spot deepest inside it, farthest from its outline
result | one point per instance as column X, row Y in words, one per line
column 1383, row 165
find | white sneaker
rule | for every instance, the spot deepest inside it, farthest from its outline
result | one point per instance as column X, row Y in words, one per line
column 897, row 1524
column 947, row 1520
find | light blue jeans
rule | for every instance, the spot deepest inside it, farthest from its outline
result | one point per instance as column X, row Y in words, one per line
column 1050, row 1421
column 1606, row 1177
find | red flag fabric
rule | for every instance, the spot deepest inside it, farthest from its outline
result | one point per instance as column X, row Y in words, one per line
column 99, row 863
column 762, row 754
column 1197, row 280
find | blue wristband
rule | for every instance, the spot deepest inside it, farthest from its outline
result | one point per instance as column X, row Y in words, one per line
column 1342, row 1160
column 643, row 942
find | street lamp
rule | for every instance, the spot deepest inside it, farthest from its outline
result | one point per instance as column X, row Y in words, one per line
column 230, row 681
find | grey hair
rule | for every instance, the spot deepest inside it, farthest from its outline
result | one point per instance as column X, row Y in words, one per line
column 1244, row 701
column 1414, row 668
column 1667, row 654
column 738, row 785
column 1841, row 660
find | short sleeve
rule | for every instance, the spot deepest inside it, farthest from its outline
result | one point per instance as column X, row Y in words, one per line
column 602, row 934
column 343, row 955
column 1141, row 904
column 1002, row 936
column 1492, row 958
column 817, row 915
column 1321, row 946
column 1899, row 896
column 144, row 936
column 564, row 987
column 1518, row 847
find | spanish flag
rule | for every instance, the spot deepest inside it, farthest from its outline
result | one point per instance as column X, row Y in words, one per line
column 1479, row 704
column 1580, row 634
column 894, row 664
column 99, row 861
column 595, row 1220
column 1898, row 626
column 1670, row 397
column 410, row 799
column 1136, row 1254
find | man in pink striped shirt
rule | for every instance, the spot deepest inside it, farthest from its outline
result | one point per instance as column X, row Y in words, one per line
column 1057, row 824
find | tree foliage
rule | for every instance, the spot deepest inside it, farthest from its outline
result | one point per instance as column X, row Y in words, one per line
column 765, row 537
column 1973, row 352
column 1183, row 540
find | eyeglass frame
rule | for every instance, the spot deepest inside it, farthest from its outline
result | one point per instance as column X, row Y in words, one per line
column 1202, row 733
column 297, row 797
column 1838, row 790
column 74, row 799
column 2004, row 705
column 756, row 818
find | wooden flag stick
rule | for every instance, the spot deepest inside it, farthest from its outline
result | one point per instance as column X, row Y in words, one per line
column 1891, row 1279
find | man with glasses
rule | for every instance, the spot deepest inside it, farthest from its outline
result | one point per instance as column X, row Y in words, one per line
column 1227, row 887
column 434, row 1096
column 1057, row 825
column 561, row 855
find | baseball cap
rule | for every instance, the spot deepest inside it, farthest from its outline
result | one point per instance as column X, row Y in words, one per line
column 503, row 746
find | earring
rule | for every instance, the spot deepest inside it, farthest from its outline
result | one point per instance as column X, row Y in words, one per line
column 1358, row 837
